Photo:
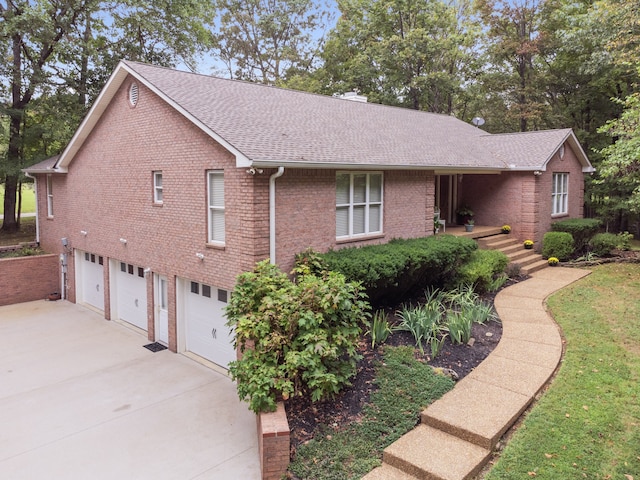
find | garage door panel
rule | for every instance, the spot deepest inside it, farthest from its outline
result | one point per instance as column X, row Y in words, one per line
column 206, row 332
column 92, row 279
column 131, row 295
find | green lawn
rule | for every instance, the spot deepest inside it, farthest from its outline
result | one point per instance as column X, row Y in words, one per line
column 587, row 425
column 28, row 199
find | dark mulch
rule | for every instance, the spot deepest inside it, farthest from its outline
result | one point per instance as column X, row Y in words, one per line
column 304, row 417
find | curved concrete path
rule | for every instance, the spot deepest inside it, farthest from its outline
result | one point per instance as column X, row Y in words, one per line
column 458, row 432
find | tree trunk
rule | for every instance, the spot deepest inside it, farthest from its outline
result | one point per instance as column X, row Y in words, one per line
column 9, row 224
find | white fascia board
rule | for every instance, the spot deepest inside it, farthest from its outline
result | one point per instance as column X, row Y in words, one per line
column 368, row 166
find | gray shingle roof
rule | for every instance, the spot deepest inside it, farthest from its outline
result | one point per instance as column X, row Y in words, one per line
column 269, row 126
column 45, row 166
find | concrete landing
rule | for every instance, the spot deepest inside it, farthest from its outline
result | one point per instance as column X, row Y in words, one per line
column 458, row 431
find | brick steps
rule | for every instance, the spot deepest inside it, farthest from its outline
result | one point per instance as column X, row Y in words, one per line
column 529, row 260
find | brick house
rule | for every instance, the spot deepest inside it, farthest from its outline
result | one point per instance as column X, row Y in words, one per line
column 175, row 183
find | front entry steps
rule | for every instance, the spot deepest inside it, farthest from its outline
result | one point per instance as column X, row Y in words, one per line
column 529, row 260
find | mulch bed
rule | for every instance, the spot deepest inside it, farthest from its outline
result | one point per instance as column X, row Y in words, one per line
column 305, row 417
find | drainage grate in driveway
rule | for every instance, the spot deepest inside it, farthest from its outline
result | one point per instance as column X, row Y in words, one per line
column 155, row 347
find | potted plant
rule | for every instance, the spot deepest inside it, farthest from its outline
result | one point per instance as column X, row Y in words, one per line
column 506, row 229
column 553, row 261
column 528, row 244
column 468, row 226
column 464, row 214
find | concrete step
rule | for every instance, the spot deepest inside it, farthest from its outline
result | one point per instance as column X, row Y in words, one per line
column 534, row 267
column 387, row 472
column 495, row 242
column 431, row 454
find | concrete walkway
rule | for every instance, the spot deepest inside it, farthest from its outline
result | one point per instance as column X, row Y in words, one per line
column 80, row 398
column 458, row 432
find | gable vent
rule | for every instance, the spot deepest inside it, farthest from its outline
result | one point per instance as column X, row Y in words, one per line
column 133, row 94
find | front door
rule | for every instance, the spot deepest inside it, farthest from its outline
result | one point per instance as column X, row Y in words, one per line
column 162, row 310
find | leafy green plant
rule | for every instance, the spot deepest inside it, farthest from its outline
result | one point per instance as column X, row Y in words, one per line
column 421, row 322
column 459, row 325
column 379, row 328
column 389, row 272
column 497, row 283
column 581, row 230
column 482, row 267
column 294, row 336
column 603, row 243
column 557, row 244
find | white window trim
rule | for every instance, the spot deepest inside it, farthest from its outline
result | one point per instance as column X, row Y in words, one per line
column 157, row 188
column 211, row 208
column 49, row 182
column 367, row 204
column 559, row 198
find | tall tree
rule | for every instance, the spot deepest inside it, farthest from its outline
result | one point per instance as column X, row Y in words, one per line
column 514, row 48
column 402, row 52
column 52, row 49
column 262, row 40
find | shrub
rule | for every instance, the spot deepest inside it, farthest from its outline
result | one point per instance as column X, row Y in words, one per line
column 581, row 229
column 391, row 271
column 603, row 243
column 557, row 244
column 482, row 268
column 295, row 336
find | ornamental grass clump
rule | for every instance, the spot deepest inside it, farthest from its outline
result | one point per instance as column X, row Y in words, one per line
column 296, row 336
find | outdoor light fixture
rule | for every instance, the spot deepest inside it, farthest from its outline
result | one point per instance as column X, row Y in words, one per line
column 200, row 255
column 123, row 241
column 537, row 173
column 253, row 171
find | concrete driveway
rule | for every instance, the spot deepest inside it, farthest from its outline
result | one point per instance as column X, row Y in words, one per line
column 80, row 398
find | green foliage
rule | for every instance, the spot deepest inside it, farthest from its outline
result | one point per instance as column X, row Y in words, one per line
column 603, row 243
column 557, row 244
column 379, row 328
column 391, row 271
column 295, row 337
column 424, row 323
column 482, row 268
column 405, row 387
column 581, row 229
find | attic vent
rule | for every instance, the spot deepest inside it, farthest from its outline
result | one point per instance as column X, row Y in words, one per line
column 133, row 94
column 561, row 152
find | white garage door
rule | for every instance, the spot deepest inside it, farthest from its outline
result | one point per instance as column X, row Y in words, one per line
column 90, row 279
column 131, row 294
column 206, row 332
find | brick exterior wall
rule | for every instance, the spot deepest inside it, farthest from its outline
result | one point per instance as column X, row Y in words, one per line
column 25, row 279
column 522, row 199
column 273, row 443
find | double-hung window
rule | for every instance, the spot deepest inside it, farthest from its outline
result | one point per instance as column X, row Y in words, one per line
column 358, row 204
column 215, row 187
column 560, row 194
column 157, row 187
column 49, row 195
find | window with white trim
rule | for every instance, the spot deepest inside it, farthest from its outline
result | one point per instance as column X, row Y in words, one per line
column 560, row 194
column 49, row 195
column 157, row 187
column 358, row 204
column 215, row 187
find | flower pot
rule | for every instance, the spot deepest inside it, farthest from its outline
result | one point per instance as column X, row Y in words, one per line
column 468, row 228
column 54, row 296
column 528, row 247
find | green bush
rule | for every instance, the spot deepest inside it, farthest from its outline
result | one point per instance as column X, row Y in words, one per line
column 605, row 243
column 557, row 244
column 581, row 229
column 482, row 268
column 296, row 337
column 390, row 272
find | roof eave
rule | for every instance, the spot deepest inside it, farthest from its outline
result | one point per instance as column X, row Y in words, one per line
column 312, row 165
column 102, row 102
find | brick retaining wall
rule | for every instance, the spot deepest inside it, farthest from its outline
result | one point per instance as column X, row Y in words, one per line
column 274, row 440
column 24, row 279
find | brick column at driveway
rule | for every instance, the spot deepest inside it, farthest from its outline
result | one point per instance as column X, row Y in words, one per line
column 458, row 431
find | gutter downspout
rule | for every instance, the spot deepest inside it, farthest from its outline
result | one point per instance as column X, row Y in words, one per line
column 35, row 185
column 272, row 214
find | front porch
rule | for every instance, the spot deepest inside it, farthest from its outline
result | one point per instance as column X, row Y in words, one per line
column 479, row 231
